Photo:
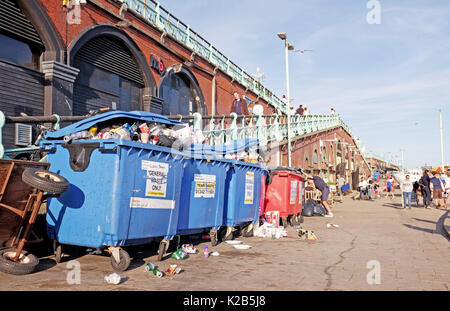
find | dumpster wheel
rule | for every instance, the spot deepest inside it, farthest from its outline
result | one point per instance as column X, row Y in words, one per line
column 163, row 246
column 57, row 251
column 247, row 231
column 124, row 262
column 26, row 264
column 44, row 180
column 214, row 237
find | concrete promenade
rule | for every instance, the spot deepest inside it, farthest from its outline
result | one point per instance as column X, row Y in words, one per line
column 411, row 247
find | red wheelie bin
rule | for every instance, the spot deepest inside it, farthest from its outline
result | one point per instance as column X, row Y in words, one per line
column 283, row 194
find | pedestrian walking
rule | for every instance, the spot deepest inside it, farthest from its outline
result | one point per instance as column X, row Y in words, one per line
column 437, row 188
column 258, row 109
column 340, row 184
column 424, row 183
column 320, row 184
column 305, row 112
column 362, row 187
column 300, row 110
column 390, row 187
column 239, row 105
column 406, row 186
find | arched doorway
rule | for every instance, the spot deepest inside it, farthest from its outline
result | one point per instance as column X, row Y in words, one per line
column 113, row 71
column 181, row 92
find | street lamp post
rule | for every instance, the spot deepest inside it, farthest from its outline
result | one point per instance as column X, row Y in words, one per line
column 288, row 47
column 442, row 142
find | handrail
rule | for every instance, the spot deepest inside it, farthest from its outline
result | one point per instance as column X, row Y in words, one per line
column 266, row 128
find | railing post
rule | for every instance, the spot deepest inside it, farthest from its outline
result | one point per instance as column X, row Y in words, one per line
column 2, row 123
column 233, row 125
column 197, row 121
column 57, row 124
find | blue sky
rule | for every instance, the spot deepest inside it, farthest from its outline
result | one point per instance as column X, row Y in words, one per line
column 387, row 81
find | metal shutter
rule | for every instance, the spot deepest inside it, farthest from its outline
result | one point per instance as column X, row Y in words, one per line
column 15, row 23
column 112, row 56
column 21, row 90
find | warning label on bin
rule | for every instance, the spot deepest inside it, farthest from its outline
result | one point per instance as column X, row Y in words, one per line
column 156, row 183
column 205, row 186
column 293, row 197
column 249, row 187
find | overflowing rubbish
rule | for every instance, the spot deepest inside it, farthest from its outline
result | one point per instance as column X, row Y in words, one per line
column 144, row 132
column 189, row 249
column 152, row 268
column 329, row 225
column 269, row 230
column 179, row 255
column 312, row 208
column 306, row 234
column 113, row 278
column 273, row 218
column 173, row 269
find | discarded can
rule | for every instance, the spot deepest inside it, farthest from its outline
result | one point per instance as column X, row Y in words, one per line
column 179, row 254
column 174, row 269
column 151, row 267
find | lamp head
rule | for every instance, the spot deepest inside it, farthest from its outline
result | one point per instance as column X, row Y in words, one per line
column 282, row 35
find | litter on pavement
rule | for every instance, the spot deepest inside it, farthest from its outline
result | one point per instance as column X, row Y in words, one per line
column 268, row 230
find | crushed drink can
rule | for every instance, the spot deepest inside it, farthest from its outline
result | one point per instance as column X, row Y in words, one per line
column 179, row 254
column 152, row 268
column 173, row 269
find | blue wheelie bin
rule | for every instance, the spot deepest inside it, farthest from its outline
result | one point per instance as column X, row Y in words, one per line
column 203, row 195
column 121, row 192
column 243, row 198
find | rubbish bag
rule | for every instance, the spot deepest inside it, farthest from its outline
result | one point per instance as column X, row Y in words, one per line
column 311, row 208
column 319, row 210
column 308, row 208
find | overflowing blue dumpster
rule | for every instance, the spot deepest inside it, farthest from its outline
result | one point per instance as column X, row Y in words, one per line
column 203, row 195
column 242, row 202
column 243, row 198
column 121, row 192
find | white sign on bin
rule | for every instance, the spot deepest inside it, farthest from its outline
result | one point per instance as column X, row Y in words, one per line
column 205, row 186
column 249, row 187
column 293, row 197
column 156, row 183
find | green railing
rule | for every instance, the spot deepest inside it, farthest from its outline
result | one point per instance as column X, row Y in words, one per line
column 219, row 129
column 163, row 20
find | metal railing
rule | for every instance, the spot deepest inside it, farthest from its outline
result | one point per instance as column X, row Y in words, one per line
column 162, row 19
column 218, row 129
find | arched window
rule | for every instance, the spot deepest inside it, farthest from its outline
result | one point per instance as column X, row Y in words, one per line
column 315, row 157
column 181, row 92
column 324, row 154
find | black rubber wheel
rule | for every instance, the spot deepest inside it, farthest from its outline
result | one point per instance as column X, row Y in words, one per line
column 58, row 252
column 214, row 238
column 247, row 233
column 223, row 234
column 161, row 250
column 44, row 180
column 26, row 265
column 124, row 261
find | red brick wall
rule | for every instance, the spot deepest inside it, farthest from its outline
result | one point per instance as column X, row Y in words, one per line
column 91, row 15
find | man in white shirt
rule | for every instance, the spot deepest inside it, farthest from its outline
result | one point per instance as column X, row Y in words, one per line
column 258, row 109
column 340, row 183
column 406, row 186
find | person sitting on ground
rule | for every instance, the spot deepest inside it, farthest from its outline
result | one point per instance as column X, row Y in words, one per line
column 362, row 187
column 320, row 184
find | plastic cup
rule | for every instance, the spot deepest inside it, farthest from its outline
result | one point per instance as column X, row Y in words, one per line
column 145, row 137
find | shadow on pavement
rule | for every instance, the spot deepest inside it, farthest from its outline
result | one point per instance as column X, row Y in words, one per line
column 439, row 226
column 393, row 205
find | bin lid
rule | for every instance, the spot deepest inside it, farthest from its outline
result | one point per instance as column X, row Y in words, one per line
column 89, row 122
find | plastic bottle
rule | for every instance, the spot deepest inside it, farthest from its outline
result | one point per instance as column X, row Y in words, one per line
column 206, row 251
